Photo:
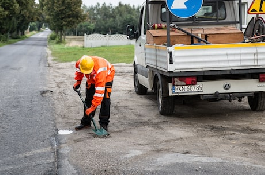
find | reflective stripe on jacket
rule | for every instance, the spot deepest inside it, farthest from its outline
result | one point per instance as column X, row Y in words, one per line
column 102, row 73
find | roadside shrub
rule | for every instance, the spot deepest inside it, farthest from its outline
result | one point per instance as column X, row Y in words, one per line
column 60, row 42
column 15, row 36
column 4, row 37
column 53, row 36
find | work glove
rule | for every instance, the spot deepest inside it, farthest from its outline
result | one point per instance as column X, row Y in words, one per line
column 89, row 111
column 77, row 85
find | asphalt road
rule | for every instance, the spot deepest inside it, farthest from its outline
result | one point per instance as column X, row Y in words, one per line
column 27, row 129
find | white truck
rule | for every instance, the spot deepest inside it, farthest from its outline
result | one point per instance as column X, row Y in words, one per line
column 206, row 55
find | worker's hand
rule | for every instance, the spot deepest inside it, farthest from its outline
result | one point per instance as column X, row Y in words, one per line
column 77, row 85
column 89, row 111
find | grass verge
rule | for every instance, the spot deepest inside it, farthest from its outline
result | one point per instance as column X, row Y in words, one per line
column 114, row 54
column 12, row 41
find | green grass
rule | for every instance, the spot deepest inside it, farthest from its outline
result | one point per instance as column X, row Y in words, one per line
column 114, row 54
column 12, row 41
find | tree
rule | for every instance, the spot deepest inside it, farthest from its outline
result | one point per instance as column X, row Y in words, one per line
column 107, row 19
column 63, row 14
column 9, row 9
column 15, row 16
column 41, row 16
column 124, row 15
column 33, row 26
column 27, row 13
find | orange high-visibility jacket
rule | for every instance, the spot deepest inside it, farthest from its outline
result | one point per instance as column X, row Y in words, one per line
column 102, row 73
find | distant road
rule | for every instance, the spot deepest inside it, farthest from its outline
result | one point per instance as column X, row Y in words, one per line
column 27, row 129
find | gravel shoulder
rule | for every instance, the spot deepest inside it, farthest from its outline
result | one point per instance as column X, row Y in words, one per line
column 142, row 141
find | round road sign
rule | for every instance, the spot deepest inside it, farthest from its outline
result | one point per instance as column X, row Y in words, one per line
column 184, row 8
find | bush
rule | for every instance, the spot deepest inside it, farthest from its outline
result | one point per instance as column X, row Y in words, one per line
column 33, row 26
column 4, row 37
column 15, row 36
column 53, row 36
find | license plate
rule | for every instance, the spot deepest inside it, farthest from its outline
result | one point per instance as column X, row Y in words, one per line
column 190, row 88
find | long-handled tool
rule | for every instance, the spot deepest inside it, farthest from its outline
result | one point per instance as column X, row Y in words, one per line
column 188, row 33
column 101, row 131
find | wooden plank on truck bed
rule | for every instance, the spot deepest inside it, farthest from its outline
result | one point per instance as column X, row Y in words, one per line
column 159, row 37
column 221, row 35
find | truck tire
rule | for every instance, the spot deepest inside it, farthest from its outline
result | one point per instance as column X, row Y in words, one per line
column 138, row 88
column 257, row 102
column 165, row 104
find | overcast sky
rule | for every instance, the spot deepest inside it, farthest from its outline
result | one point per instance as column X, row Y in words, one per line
column 113, row 2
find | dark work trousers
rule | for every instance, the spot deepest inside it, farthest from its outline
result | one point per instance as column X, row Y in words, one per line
column 104, row 114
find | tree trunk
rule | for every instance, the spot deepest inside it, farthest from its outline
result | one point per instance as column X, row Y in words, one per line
column 61, row 36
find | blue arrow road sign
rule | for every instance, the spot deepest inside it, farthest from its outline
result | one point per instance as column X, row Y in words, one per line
column 184, row 8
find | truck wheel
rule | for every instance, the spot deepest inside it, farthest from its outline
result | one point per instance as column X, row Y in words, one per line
column 257, row 102
column 165, row 104
column 138, row 88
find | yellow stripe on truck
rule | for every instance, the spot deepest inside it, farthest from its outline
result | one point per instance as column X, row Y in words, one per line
column 218, row 46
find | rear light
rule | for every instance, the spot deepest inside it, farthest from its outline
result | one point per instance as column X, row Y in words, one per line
column 261, row 77
column 183, row 81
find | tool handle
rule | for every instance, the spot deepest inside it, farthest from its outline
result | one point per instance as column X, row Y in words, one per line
column 188, row 33
column 92, row 119
column 79, row 94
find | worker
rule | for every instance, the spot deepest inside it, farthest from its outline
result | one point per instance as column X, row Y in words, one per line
column 99, row 74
